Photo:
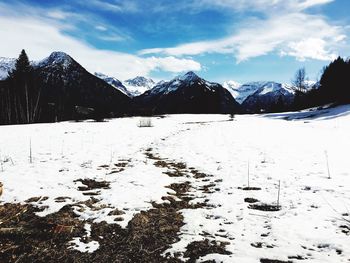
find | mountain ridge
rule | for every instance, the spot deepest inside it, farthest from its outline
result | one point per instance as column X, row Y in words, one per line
column 187, row 93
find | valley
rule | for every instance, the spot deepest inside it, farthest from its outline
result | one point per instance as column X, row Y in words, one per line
column 190, row 187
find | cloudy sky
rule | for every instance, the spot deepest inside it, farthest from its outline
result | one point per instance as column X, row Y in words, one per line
column 241, row 40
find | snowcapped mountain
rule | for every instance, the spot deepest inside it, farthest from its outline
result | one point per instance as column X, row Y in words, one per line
column 66, row 84
column 242, row 92
column 138, row 85
column 187, row 94
column 190, row 78
column 264, row 95
column 312, row 84
column 56, row 59
column 238, row 91
column 131, row 87
column 115, row 83
column 6, row 65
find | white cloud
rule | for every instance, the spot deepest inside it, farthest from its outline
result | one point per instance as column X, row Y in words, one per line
column 57, row 14
column 292, row 34
column 115, row 6
column 261, row 5
column 309, row 48
column 41, row 36
column 101, row 28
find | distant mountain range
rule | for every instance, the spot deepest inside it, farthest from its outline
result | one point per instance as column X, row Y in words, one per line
column 68, row 84
column 187, row 94
column 6, row 65
column 131, row 87
column 66, row 88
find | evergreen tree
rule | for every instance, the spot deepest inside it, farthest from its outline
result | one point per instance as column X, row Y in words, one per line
column 20, row 100
column 335, row 82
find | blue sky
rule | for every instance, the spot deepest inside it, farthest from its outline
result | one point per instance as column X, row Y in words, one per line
column 221, row 40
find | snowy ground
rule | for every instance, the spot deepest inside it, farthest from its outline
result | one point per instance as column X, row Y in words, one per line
column 293, row 152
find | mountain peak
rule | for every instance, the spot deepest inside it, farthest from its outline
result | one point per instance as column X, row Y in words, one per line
column 139, row 78
column 140, row 81
column 57, row 57
column 100, row 75
column 189, row 76
column 6, row 65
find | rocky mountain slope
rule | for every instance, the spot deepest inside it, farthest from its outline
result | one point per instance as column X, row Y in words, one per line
column 187, row 94
column 66, row 85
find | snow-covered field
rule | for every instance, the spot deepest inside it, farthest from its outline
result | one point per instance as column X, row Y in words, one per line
column 48, row 160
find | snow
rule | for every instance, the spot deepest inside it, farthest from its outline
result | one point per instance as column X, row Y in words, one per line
column 6, row 65
column 138, row 85
column 131, row 87
column 83, row 247
column 189, row 78
column 114, row 83
column 293, row 152
column 57, row 57
column 241, row 92
column 270, row 87
column 89, row 247
column 68, row 151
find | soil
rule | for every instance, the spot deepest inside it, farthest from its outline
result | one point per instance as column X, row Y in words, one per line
column 26, row 237
column 251, row 200
column 265, row 207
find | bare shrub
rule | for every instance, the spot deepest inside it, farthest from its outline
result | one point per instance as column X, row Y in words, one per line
column 145, row 122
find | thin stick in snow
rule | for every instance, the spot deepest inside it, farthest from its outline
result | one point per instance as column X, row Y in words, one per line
column 110, row 164
column 62, row 148
column 329, row 173
column 248, row 174
column 30, row 151
column 278, row 196
column 2, row 164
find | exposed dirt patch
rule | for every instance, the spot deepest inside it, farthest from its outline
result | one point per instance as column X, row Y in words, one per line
column 62, row 199
column 36, row 199
column 261, row 245
column 161, row 164
column 250, row 188
column 26, row 237
column 198, row 175
column 345, row 229
column 118, row 167
column 265, row 260
column 175, row 173
column 265, row 207
column 251, row 200
column 208, row 189
column 90, row 184
column 198, row 249
column 298, row 257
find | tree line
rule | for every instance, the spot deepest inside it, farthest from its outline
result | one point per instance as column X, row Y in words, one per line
column 25, row 98
column 20, row 96
column 333, row 86
column 32, row 95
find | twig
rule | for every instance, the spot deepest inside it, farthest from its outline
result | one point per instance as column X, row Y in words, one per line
column 248, row 174
column 30, row 151
column 329, row 174
column 278, row 196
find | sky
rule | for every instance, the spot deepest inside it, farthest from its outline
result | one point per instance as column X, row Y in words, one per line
column 221, row 40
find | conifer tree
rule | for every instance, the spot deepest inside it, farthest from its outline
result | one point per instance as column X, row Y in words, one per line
column 20, row 98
